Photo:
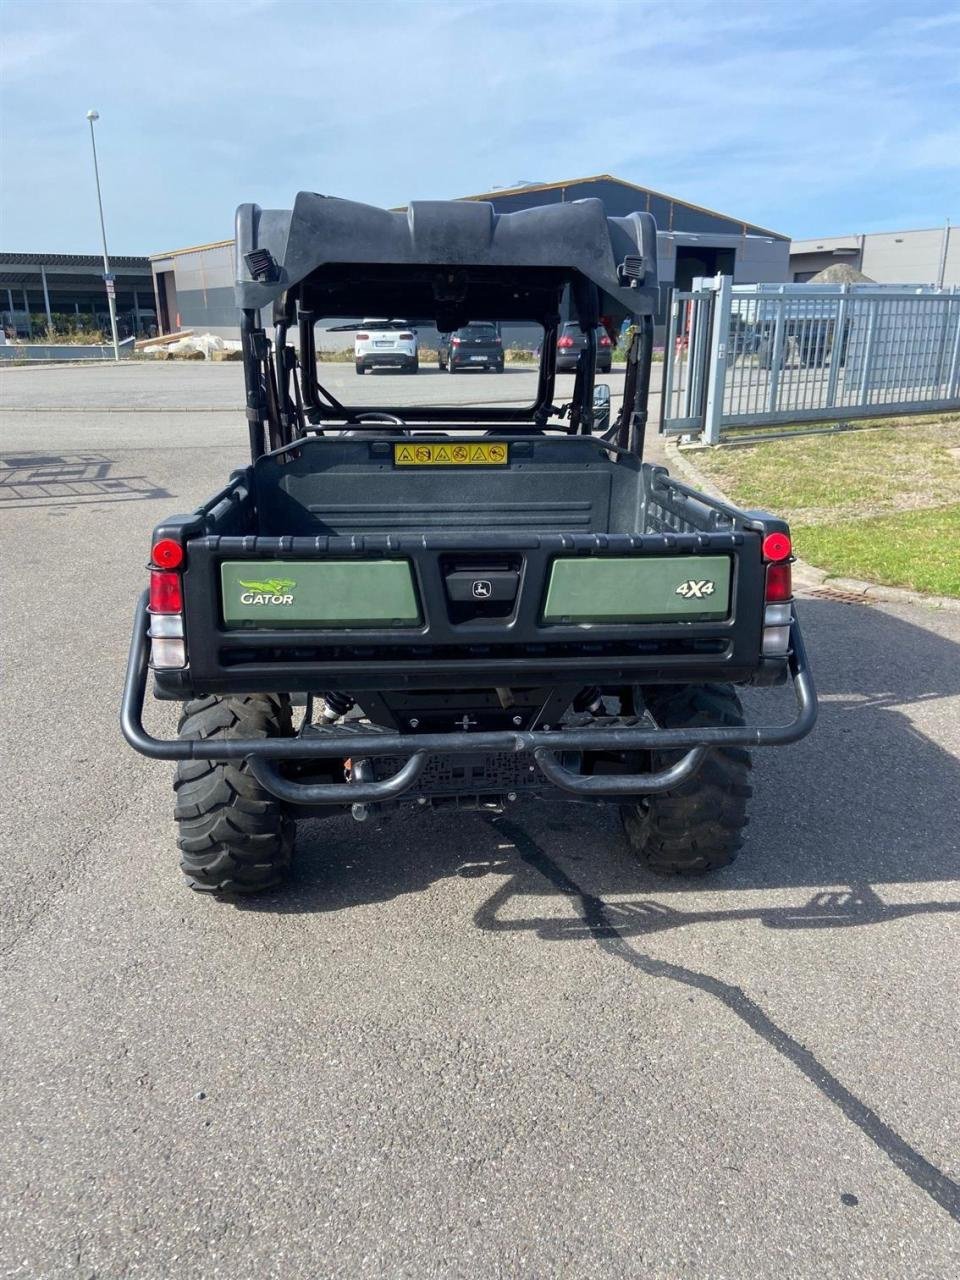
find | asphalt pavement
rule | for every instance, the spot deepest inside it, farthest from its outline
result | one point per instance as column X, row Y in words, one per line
column 457, row 1046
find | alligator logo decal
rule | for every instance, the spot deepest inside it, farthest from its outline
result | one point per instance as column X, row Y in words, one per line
column 270, row 586
column 269, row 591
column 692, row 590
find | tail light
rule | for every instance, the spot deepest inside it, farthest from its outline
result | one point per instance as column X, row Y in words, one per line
column 363, row 337
column 167, row 554
column 497, row 342
column 454, row 342
column 779, row 583
column 405, row 337
column 564, row 344
column 604, row 341
column 167, row 645
column 776, row 546
column 778, row 596
column 166, row 592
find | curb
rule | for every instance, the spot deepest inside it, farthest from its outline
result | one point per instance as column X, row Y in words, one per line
column 807, row 576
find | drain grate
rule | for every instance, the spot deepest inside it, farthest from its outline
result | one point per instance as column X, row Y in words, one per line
column 844, row 597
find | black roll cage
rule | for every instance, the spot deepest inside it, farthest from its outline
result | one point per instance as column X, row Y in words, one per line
column 286, row 402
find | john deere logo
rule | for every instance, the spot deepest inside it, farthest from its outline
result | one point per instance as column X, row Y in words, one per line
column 692, row 590
column 482, row 589
column 269, row 591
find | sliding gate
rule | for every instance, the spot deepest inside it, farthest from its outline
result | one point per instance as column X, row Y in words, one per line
column 759, row 355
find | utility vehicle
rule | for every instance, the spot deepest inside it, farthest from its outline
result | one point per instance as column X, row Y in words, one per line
column 450, row 605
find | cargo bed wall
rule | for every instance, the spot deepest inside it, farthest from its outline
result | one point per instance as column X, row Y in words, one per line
column 349, row 487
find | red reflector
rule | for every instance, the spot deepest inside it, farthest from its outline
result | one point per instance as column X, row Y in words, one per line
column 779, row 582
column 776, row 546
column 362, row 337
column 166, row 595
column 405, row 337
column 167, row 553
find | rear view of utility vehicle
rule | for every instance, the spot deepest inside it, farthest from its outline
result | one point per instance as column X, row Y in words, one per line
column 395, row 609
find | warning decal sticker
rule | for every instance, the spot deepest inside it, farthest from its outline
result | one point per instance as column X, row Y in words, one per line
column 465, row 453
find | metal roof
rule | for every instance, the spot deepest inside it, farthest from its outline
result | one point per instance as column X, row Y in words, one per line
column 528, row 188
column 24, row 261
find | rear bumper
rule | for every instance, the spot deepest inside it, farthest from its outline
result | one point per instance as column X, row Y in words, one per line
column 481, row 361
column 414, row 749
column 386, row 360
column 568, row 364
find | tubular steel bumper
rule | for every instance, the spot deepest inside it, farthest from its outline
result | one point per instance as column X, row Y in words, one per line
column 263, row 754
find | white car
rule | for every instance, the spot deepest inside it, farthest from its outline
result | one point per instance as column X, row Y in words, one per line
column 387, row 344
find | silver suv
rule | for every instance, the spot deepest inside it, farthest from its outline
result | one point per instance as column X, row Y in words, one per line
column 386, row 344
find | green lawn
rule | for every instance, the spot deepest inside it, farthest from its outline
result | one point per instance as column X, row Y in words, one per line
column 878, row 504
column 919, row 549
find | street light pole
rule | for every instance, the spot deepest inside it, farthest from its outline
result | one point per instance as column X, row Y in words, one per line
column 107, row 275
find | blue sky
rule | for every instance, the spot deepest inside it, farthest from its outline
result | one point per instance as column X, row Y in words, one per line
column 811, row 117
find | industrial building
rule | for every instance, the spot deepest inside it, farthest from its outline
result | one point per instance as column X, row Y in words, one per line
column 64, row 290
column 930, row 256
column 194, row 286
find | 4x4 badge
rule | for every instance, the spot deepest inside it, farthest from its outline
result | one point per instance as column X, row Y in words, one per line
column 692, row 590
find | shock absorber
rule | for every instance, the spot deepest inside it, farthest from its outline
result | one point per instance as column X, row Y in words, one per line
column 335, row 705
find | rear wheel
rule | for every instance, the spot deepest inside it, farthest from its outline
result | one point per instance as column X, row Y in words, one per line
column 360, row 368
column 451, row 368
column 697, row 827
column 234, row 836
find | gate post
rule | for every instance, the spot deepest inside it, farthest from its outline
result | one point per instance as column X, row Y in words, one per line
column 837, row 344
column 717, row 371
column 953, row 377
column 865, row 368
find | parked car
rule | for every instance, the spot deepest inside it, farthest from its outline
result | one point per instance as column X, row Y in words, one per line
column 571, row 341
column 386, row 344
column 477, row 345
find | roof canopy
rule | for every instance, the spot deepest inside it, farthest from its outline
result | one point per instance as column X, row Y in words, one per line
column 441, row 259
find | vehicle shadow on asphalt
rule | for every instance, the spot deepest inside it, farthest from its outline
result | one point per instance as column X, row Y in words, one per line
column 603, row 924
column 867, row 800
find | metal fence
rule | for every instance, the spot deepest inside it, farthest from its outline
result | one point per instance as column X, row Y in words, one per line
column 765, row 354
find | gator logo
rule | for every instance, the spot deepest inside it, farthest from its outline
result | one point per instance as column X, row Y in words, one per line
column 692, row 590
column 269, row 591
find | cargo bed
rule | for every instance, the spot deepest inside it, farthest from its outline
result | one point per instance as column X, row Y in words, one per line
column 583, row 552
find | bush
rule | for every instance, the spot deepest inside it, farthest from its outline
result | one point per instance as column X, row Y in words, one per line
column 67, row 328
column 620, row 353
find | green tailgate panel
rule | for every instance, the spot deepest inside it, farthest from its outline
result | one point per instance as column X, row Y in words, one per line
column 318, row 593
column 638, row 589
